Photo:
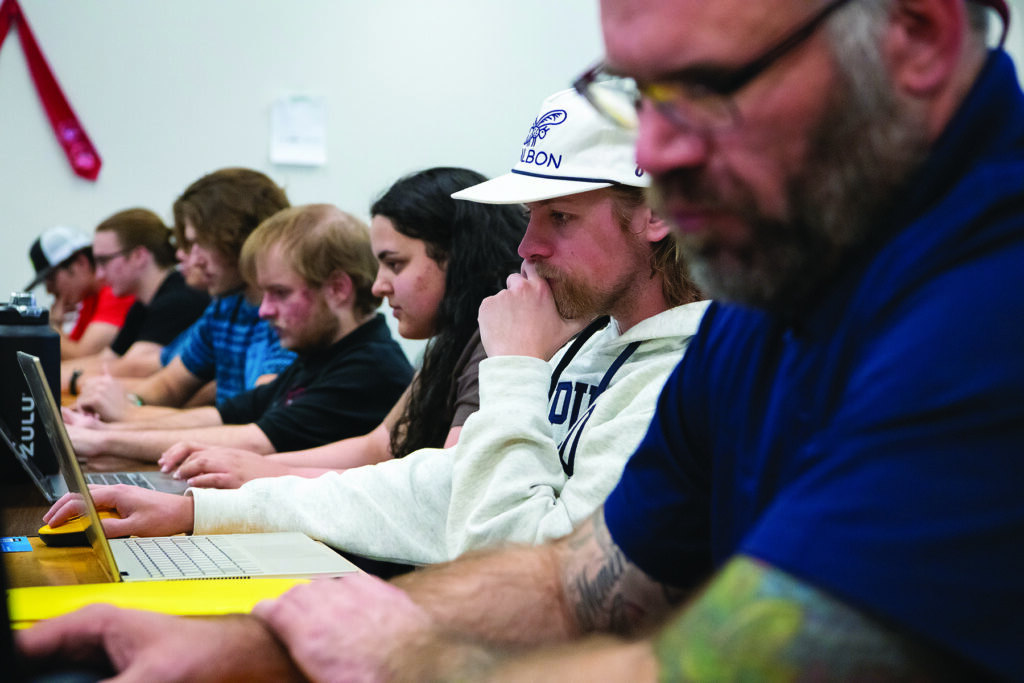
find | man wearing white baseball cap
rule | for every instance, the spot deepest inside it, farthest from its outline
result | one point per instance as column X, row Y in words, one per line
column 62, row 258
column 528, row 470
column 568, row 150
column 557, row 419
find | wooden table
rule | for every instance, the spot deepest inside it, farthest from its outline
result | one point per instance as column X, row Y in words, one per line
column 46, row 566
column 23, row 510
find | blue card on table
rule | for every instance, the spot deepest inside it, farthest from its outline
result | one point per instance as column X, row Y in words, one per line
column 15, row 544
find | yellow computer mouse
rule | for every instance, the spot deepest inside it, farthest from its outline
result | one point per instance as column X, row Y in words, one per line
column 71, row 532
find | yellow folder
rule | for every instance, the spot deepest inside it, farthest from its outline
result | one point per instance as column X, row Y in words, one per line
column 185, row 598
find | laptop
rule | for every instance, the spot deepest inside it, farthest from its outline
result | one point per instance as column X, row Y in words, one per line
column 224, row 556
column 52, row 486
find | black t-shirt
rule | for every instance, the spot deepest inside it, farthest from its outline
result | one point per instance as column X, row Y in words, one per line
column 174, row 307
column 337, row 393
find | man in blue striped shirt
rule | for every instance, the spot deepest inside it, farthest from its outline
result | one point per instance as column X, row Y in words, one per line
column 229, row 344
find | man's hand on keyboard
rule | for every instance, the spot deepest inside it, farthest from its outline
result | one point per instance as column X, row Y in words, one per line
column 103, row 396
column 175, row 455
column 227, row 468
column 143, row 512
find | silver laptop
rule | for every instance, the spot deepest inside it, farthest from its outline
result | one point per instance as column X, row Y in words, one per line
column 270, row 555
column 52, row 485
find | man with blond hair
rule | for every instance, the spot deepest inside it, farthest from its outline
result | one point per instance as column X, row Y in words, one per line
column 315, row 269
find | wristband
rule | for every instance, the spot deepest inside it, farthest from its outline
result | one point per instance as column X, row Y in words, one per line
column 135, row 399
column 73, row 382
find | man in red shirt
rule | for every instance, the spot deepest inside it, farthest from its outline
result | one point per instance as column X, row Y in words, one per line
column 62, row 258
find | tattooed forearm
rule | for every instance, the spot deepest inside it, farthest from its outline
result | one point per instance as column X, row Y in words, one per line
column 607, row 592
column 754, row 622
column 597, row 599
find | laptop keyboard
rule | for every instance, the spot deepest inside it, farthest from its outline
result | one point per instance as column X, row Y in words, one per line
column 133, row 478
column 186, row 557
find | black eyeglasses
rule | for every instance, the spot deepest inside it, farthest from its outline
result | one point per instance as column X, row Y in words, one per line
column 102, row 260
column 704, row 101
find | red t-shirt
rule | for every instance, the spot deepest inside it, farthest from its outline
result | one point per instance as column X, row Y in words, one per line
column 103, row 307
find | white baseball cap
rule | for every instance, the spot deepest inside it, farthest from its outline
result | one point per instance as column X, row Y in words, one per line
column 570, row 148
column 52, row 248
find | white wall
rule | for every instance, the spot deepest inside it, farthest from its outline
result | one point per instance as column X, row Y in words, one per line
column 1015, row 38
column 172, row 89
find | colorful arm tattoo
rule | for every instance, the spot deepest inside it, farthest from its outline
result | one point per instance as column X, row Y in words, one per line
column 754, row 622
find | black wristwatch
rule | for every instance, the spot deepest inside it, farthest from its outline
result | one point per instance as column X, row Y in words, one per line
column 73, row 382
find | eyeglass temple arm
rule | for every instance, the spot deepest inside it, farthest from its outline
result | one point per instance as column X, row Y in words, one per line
column 998, row 6
column 1003, row 10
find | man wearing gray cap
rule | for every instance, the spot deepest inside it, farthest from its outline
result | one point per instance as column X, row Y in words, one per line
column 62, row 258
column 556, row 421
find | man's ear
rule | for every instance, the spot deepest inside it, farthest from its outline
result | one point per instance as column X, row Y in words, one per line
column 81, row 261
column 139, row 253
column 339, row 289
column 924, row 43
column 657, row 227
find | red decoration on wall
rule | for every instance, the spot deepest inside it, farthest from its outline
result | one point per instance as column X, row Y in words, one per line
column 82, row 155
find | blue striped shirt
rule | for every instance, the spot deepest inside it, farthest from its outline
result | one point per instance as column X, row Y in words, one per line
column 231, row 344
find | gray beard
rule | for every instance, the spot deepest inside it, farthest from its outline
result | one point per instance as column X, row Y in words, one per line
column 862, row 152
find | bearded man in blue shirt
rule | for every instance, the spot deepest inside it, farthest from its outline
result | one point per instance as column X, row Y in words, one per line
column 833, row 480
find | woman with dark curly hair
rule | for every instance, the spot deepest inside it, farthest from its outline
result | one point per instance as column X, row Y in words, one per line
column 439, row 258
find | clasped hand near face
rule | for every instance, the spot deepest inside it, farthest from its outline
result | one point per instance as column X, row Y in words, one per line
column 58, row 309
column 522, row 320
column 219, row 468
column 142, row 512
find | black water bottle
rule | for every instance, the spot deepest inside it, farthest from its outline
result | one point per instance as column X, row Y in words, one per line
column 24, row 326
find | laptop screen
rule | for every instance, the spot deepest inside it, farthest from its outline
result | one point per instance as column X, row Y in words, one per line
column 53, row 423
column 38, row 478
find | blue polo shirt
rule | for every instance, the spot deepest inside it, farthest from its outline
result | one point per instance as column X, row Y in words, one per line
column 873, row 447
column 231, row 344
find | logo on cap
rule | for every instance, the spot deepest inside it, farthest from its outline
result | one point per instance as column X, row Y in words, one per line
column 541, row 125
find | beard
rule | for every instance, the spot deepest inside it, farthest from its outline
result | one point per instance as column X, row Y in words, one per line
column 577, row 299
column 574, row 299
column 862, row 151
column 318, row 333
